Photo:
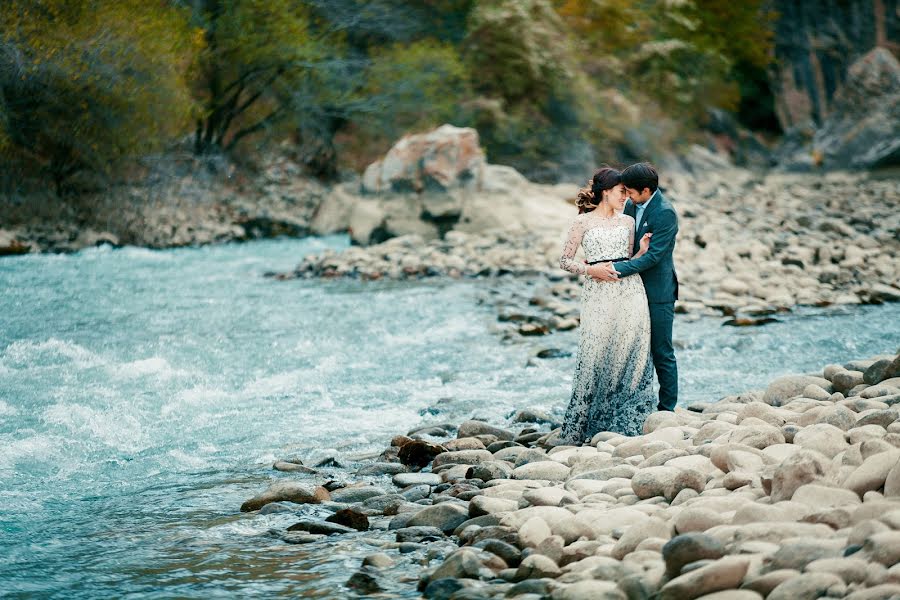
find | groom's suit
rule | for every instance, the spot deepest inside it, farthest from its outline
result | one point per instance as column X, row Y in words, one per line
column 657, row 270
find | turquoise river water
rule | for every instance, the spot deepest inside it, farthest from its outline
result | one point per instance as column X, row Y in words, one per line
column 145, row 394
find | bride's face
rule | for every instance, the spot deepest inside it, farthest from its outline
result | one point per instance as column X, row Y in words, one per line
column 616, row 197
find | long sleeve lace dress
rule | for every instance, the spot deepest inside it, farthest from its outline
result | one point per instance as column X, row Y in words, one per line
column 613, row 385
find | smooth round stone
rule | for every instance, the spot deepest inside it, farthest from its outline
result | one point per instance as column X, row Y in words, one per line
column 688, row 548
column 350, row 495
column 407, row 479
column 809, row 585
column 379, row 560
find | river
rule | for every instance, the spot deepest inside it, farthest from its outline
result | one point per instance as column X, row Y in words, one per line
column 145, row 394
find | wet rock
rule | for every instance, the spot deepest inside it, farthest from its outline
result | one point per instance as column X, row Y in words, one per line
column 445, row 516
column 463, row 457
column 511, row 555
column 419, row 534
column 378, row 560
column 353, row 494
column 300, row 537
column 321, row 527
column 364, row 582
column 287, row 491
column 293, row 467
column 465, row 563
column 531, row 415
column 419, row 453
column 403, row 480
column 349, row 517
column 490, row 470
column 474, row 428
column 382, row 469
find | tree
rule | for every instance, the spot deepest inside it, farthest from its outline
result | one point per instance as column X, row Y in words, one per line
column 84, row 85
column 254, row 52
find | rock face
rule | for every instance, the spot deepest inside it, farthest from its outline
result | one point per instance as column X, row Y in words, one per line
column 863, row 130
column 823, row 88
column 816, row 41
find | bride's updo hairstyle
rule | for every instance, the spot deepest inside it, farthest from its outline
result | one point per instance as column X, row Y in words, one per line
column 591, row 196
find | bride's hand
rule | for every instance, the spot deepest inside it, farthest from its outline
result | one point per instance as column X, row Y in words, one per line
column 645, row 242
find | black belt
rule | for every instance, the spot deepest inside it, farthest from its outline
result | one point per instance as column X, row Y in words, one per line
column 597, row 262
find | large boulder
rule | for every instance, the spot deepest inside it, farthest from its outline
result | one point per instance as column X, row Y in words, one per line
column 863, row 130
column 441, row 160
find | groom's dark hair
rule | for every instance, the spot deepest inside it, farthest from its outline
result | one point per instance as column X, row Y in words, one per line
column 640, row 176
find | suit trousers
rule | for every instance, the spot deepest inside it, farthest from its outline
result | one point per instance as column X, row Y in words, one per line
column 662, row 316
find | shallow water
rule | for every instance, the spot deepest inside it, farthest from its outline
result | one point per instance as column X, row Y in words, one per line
column 145, row 394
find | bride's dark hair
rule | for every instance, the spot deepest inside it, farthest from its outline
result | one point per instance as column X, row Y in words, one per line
column 591, row 196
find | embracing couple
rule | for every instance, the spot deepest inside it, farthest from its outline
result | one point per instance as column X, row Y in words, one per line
column 626, row 321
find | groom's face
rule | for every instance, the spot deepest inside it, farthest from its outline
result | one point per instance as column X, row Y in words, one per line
column 636, row 196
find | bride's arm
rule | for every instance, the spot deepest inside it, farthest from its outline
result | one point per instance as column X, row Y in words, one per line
column 573, row 240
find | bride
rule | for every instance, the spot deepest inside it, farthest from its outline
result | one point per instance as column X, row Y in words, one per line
column 613, row 384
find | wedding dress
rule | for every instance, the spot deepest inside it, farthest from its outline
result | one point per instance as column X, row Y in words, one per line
column 613, row 385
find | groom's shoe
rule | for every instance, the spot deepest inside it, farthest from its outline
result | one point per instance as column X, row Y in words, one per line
column 661, row 408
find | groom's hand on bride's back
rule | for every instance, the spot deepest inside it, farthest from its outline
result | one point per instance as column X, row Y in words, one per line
column 602, row 272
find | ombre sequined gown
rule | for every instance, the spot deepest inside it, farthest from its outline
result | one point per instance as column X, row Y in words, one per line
column 613, row 385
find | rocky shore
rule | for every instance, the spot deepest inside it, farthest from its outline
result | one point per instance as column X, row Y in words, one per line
column 183, row 206
column 749, row 245
column 791, row 492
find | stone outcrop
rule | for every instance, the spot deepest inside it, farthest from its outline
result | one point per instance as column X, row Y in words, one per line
column 834, row 83
column 431, row 183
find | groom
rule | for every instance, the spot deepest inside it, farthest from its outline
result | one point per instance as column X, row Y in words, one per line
column 653, row 214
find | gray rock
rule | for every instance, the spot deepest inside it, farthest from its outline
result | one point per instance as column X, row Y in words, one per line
column 353, row 494
column 382, row 469
column 378, row 560
column 416, row 492
column 802, row 467
column 882, row 369
column 808, row 586
column 463, row 457
column 277, row 507
column 287, row 491
column 486, row 471
column 688, row 548
column 407, row 479
column 475, row 428
column 511, row 555
column 445, row 516
column 786, row 387
column 723, row 574
column 419, row 534
column 321, row 527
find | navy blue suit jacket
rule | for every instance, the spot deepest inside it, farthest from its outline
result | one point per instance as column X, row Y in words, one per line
column 656, row 267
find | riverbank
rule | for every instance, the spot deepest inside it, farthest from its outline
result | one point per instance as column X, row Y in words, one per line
column 792, row 491
column 749, row 246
